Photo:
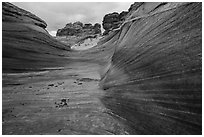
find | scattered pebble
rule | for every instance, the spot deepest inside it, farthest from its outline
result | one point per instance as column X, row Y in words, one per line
column 51, row 85
column 60, row 83
column 22, row 104
column 63, row 103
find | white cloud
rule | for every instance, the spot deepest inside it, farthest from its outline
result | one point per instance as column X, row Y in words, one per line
column 58, row 14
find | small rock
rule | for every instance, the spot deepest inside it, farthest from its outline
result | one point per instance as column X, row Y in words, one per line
column 62, row 103
column 51, row 85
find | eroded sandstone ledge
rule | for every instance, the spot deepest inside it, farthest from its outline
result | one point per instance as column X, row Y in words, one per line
column 26, row 44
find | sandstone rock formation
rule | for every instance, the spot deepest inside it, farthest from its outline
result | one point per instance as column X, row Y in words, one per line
column 113, row 20
column 153, row 81
column 12, row 13
column 26, row 45
column 79, row 29
column 150, row 67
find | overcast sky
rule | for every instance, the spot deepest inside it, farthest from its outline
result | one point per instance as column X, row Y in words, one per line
column 57, row 15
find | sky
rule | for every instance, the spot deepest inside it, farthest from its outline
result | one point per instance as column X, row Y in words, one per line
column 58, row 14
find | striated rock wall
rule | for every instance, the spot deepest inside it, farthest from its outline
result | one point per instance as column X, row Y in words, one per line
column 153, row 82
column 114, row 20
column 26, row 45
column 79, row 29
column 12, row 13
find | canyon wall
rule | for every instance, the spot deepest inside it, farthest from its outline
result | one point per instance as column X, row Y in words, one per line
column 151, row 63
column 153, row 82
column 26, row 44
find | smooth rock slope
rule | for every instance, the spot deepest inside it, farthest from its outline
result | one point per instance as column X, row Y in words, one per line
column 154, row 78
column 26, row 45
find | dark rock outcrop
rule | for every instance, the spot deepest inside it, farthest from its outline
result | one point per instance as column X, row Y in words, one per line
column 26, row 45
column 78, row 29
column 122, row 16
column 153, row 80
column 113, row 20
column 110, row 20
column 97, row 28
column 78, row 23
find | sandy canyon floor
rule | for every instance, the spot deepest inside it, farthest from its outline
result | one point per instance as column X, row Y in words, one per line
column 58, row 101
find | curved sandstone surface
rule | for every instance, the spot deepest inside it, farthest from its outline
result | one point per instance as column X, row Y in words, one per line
column 154, row 78
column 150, row 70
column 12, row 13
column 26, row 45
